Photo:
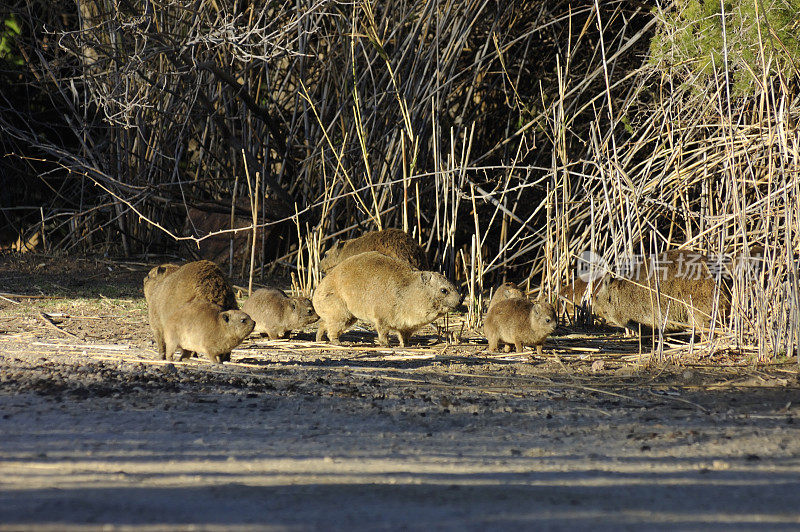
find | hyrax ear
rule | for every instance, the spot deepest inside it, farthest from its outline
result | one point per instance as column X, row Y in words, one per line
column 161, row 269
column 293, row 303
column 426, row 277
column 226, row 317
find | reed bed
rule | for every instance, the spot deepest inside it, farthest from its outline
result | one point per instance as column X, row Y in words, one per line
column 507, row 138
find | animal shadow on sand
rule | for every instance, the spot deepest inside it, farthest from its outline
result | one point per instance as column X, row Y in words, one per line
column 371, row 358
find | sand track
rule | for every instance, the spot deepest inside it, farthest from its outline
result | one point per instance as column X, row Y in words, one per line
column 96, row 434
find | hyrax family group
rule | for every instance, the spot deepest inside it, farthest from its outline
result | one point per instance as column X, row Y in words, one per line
column 382, row 277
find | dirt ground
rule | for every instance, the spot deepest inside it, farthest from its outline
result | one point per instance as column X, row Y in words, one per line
column 96, row 433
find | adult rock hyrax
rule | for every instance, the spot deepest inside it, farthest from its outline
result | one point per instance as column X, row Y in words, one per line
column 520, row 322
column 277, row 314
column 670, row 291
column 385, row 291
column 506, row 290
column 169, row 287
column 392, row 242
column 206, row 329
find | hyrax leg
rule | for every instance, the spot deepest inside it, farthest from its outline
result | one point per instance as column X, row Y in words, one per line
column 320, row 331
column 275, row 334
column 519, row 347
column 493, row 340
column 170, row 348
column 334, row 329
column 160, row 345
column 539, row 349
column 404, row 337
column 185, row 353
column 383, row 333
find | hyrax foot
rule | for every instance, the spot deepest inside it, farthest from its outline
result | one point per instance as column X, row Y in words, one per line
column 405, row 339
column 539, row 349
column 168, row 352
column 383, row 338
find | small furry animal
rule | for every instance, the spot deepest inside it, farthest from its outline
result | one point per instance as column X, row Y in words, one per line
column 681, row 294
column 385, row 291
column 169, row 287
column 520, row 322
column 277, row 314
column 507, row 290
column 206, row 329
column 392, row 242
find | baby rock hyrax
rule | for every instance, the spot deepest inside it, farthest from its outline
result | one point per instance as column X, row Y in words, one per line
column 385, row 291
column 679, row 294
column 520, row 322
column 169, row 287
column 277, row 314
column 206, row 329
column 392, row 242
column 506, row 290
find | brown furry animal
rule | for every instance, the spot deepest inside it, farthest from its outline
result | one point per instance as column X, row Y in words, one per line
column 206, row 329
column 506, row 290
column 520, row 322
column 392, row 242
column 169, row 287
column 385, row 291
column 574, row 293
column 277, row 314
column 574, row 299
column 680, row 294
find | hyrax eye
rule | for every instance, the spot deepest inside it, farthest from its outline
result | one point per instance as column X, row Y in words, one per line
column 444, row 290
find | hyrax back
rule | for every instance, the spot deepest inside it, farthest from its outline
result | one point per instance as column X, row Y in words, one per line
column 674, row 291
column 505, row 291
column 385, row 291
column 520, row 322
column 207, row 329
column 169, row 287
column 276, row 314
column 392, row 242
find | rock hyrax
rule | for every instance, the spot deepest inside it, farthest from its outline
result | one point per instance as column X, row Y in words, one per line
column 680, row 294
column 385, row 291
column 520, row 322
column 392, row 242
column 169, row 287
column 505, row 291
column 277, row 314
column 206, row 329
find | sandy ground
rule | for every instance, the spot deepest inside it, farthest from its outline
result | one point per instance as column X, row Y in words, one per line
column 95, row 433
